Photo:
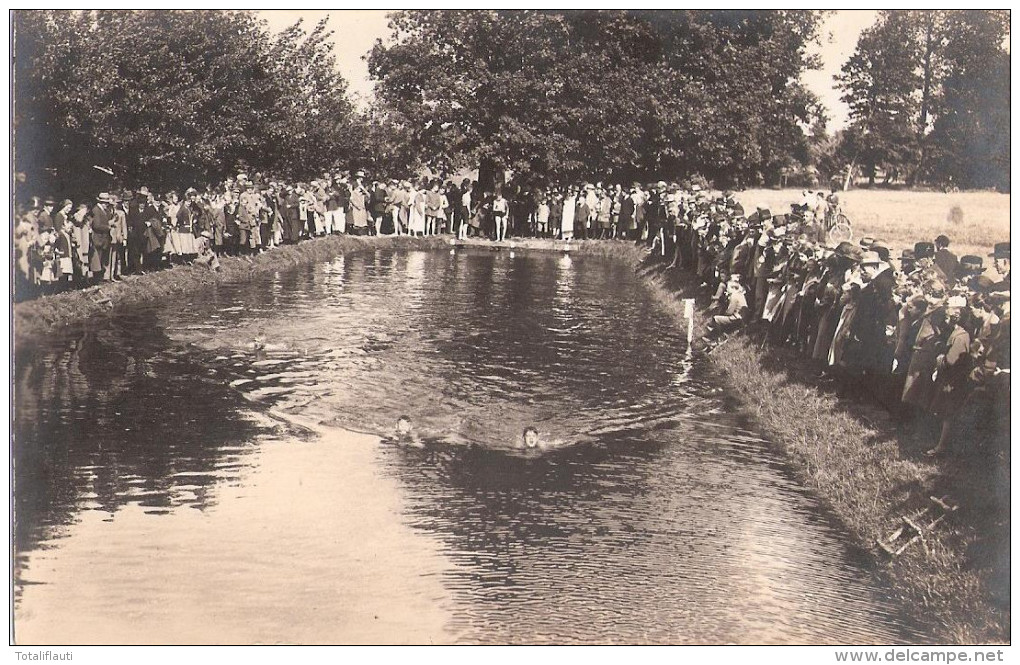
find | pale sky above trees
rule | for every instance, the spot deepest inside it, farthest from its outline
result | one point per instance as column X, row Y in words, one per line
column 357, row 30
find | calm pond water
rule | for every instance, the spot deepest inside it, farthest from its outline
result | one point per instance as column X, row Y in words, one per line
column 175, row 485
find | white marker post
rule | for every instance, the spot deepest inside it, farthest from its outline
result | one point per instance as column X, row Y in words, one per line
column 689, row 314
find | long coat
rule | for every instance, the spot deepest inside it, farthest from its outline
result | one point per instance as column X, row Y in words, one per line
column 101, row 218
column 951, row 381
column 627, row 209
column 291, row 218
column 358, row 215
column 871, row 348
column 919, row 389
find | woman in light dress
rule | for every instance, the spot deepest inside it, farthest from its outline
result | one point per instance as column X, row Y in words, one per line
column 567, row 223
column 416, row 223
column 359, row 208
column 180, row 241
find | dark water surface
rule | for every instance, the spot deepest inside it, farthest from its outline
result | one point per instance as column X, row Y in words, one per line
column 167, row 492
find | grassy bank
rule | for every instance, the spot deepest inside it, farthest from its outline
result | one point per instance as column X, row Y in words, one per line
column 851, row 454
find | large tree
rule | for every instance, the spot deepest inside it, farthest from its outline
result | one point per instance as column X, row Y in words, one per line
column 172, row 98
column 879, row 83
column 970, row 138
column 928, row 92
column 587, row 93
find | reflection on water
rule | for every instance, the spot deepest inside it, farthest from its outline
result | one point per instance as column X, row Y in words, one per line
column 665, row 521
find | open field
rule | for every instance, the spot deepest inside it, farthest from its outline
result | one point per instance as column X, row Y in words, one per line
column 902, row 218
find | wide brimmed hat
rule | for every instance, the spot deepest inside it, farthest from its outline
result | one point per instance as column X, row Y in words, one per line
column 845, row 249
column 880, row 247
column 103, row 197
column 924, row 250
column 871, row 258
column 1001, row 251
column 972, row 264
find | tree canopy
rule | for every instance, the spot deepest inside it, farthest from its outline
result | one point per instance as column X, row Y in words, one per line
column 623, row 93
column 174, row 97
column 928, row 92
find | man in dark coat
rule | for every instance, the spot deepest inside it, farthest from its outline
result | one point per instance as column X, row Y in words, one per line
column 874, row 330
column 945, row 260
column 140, row 215
column 291, row 217
column 102, row 215
column 45, row 219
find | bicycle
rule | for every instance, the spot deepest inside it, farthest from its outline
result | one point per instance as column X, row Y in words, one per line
column 838, row 227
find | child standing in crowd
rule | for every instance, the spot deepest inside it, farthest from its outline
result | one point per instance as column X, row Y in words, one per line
column 466, row 208
column 542, row 217
column 500, row 209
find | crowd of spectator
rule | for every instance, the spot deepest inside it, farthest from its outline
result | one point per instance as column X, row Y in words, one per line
column 67, row 244
column 64, row 244
column 925, row 332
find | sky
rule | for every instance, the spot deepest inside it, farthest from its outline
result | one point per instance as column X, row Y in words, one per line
column 357, row 30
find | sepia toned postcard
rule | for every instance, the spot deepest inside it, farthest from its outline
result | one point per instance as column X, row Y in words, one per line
column 511, row 327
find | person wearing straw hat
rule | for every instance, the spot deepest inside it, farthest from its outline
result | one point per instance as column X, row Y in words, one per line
column 873, row 334
column 735, row 313
column 102, row 215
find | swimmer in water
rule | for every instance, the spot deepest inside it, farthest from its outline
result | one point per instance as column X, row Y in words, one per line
column 405, row 435
column 531, row 438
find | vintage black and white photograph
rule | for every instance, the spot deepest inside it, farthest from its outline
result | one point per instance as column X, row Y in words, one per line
column 511, row 327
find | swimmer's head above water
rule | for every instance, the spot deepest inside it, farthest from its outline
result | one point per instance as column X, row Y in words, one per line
column 403, row 426
column 530, row 437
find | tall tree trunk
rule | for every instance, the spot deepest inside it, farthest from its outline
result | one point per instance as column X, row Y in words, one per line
column 926, row 93
column 488, row 175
